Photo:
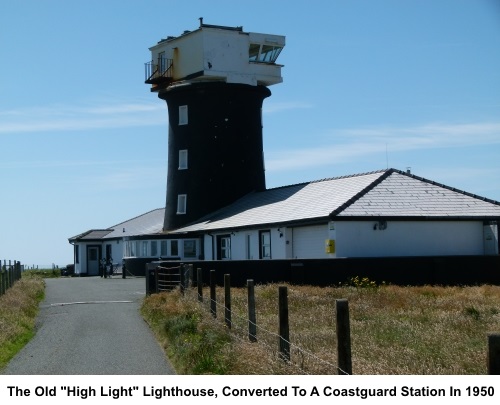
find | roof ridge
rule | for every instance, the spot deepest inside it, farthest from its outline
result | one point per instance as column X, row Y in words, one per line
column 329, row 179
column 457, row 190
column 369, row 187
column 137, row 216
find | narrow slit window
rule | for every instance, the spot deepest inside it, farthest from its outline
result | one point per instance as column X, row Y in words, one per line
column 183, row 115
column 181, row 203
column 183, row 159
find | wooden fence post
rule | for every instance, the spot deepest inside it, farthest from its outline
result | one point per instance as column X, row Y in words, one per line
column 189, row 283
column 227, row 300
column 494, row 353
column 213, row 302
column 284, row 329
column 252, row 322
column 199, row 282
column 344, row 361
column 157, row 269
column 182, row 277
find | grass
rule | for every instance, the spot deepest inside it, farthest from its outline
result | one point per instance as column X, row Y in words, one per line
column 394, row 330
column 18, row 310
column 43, row 273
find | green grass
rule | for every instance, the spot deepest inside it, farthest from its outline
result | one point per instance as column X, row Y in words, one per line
column 43, row 273
column 191, row 343
column 18, row 310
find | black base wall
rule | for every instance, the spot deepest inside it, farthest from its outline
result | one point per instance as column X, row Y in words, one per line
column 414, row 271
column 136, row 266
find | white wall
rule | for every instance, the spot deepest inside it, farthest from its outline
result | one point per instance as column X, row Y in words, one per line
column 360, row 239
column 81, row 267
column 409, row 238
column 220, row 54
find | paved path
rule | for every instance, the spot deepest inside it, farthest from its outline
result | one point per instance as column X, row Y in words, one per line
column 91, row 326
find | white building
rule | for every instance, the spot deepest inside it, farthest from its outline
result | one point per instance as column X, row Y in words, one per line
column 378, row 214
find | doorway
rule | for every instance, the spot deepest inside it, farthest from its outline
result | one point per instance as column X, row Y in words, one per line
column 93, row 260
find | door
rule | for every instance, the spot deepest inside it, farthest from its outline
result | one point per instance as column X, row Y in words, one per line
column 309, row 242
column 224, row 247
column 93, row 261
column 490, row 237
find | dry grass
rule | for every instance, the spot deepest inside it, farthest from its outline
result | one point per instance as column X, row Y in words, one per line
column 18, row 309
column 394, row 330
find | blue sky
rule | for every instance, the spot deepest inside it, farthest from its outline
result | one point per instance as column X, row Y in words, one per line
column 368, row 84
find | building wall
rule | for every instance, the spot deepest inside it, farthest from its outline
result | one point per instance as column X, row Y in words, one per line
column 220, row 55
column 360, row 239
column 81, row 263
column 408, row 238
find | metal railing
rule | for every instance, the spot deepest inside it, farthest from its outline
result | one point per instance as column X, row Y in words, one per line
column 158, row 71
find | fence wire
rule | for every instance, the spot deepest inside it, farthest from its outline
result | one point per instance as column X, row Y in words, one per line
column 301, row 360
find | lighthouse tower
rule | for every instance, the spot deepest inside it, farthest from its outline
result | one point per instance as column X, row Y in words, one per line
column 214, row 80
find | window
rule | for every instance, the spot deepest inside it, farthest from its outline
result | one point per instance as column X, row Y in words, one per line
column 164, row 248
column 225, row 248
column 144, row 251
column 154, row 248
column 174, row 248
column 190, row 248
column 77, row 253
column 183, row 115
column 92, row 254
column 162, row 63
column 265, row 244
column 183, row 159
column 263, row 53
column 108, row 253
column 181, row 203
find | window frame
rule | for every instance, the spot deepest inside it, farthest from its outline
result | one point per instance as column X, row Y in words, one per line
column 181, row 204
column 265, row 246
column 183, row 159
column 183, row 115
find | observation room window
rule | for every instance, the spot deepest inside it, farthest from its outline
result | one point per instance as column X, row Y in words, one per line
column 264, row 53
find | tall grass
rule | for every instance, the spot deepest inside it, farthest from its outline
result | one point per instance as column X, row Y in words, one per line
column 18, row 310
column 394, row 330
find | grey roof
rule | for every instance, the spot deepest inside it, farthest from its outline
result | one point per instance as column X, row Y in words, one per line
column 385, row 193
column 403, row 195
column 149, row 223
column 93, row 234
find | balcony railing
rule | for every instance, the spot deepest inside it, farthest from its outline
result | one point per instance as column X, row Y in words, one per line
column 159, row 71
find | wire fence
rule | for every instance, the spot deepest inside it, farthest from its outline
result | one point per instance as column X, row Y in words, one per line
column 10, row 272
column 240, row 320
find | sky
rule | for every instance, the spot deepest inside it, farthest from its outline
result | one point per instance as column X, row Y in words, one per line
column 367, row 85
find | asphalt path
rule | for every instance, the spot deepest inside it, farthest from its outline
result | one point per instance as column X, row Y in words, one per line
column 91, row 326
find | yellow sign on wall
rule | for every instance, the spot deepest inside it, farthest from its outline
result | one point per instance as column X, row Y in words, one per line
column 330, row 246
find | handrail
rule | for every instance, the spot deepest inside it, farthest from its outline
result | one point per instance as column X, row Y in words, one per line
column 158, row 70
